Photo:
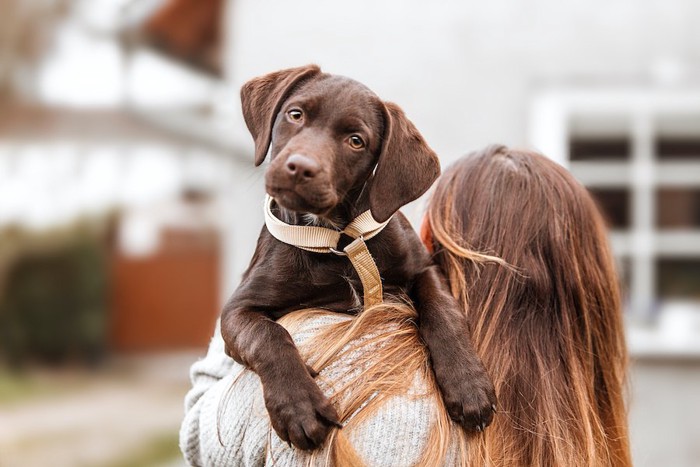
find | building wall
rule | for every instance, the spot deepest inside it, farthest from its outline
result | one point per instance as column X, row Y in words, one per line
column 465, row 71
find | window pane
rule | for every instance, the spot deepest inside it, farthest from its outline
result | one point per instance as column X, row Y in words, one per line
column 678, row 278
column 678, row 148
column 678, row 208
column 598, row 149
column 614, row 204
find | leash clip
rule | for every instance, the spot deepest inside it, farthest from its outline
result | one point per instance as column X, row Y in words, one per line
column 342, row 253
column 336, row 252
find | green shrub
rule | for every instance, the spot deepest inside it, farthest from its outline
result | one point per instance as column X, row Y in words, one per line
column 53, row 305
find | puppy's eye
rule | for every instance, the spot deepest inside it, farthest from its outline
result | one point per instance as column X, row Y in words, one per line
column 295, row 115
column 356, row 142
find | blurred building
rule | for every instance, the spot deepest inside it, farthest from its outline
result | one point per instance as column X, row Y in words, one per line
column 92, row 154
column 136, row 103
column 126, row 113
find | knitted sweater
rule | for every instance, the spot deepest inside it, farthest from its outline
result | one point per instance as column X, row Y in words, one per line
column 226, row 423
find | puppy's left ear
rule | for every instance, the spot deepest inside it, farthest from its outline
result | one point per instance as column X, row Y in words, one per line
column 262, row 98
column 407, row 166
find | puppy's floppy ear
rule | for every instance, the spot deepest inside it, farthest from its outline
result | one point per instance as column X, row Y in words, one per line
column 262, row 98
column 406, row 168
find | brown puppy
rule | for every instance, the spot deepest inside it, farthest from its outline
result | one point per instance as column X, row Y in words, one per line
column 337, row 150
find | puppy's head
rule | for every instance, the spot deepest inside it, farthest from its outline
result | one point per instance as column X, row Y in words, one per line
column 328, row 137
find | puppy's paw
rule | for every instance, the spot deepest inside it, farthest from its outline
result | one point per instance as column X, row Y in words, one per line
column 301, row 414
column 470, row 398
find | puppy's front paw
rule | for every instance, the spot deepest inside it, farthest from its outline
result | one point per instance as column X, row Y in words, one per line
column 301, row 414
column 469, row 397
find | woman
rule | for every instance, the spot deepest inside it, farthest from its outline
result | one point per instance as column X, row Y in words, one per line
column 525, row 252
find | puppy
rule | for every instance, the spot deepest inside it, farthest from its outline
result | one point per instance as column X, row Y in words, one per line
column 336, row 151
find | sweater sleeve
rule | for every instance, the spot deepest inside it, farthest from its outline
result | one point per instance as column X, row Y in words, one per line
column 226, row 423
column 209, row 376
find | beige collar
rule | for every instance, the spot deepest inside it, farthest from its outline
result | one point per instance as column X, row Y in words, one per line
column 324, row 240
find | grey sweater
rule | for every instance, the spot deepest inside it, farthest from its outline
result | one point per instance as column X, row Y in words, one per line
column 226, row 423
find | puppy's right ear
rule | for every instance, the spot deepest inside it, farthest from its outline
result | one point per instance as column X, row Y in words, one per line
column 262, row 98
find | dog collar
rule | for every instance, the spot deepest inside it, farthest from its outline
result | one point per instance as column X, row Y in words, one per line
column 324, row 240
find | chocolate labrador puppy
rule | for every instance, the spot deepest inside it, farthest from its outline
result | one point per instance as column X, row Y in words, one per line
column 337, row 150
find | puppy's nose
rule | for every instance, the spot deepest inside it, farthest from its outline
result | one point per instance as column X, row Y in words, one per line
column 302, row 167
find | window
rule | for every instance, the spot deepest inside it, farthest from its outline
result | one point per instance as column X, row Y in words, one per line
column 678, row 148
column 614, row 203
column 678, row 279
column 638, row 152
column 599, row 149
column 678, row 208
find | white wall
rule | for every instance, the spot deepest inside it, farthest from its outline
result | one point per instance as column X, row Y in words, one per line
column 465, row 71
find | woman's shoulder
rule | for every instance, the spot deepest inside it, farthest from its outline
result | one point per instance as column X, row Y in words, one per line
column 389, row 407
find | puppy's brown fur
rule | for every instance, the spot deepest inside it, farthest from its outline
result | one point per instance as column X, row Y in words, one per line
column 326, row 134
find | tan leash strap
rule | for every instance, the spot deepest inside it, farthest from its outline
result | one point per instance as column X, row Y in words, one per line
column 366, row 268
column 325, row 240
column 364, row 226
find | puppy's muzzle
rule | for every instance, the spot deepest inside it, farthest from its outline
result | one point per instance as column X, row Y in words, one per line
column 301, row 169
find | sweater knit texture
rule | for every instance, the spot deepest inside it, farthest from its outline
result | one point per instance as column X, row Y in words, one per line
column 226, row 423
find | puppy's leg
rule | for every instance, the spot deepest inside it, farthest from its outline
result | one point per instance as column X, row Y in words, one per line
column 299, row 412
column 466, row 388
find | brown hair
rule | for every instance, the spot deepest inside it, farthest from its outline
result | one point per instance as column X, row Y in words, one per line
column 383, row 340
column 549, row 328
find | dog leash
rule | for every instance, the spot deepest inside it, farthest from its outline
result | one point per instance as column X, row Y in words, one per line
column 324, row 240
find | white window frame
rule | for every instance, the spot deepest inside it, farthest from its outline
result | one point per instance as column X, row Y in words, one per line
column 550, row 129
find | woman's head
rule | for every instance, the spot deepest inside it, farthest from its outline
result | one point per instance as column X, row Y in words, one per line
column 548, row 323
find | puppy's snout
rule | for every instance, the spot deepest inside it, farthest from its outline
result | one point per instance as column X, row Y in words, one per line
column 302, row 168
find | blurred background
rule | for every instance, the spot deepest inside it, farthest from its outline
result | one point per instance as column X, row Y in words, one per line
column 129, row 204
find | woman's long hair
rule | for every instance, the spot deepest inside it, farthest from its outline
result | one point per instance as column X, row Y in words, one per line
column 383, row 340
column 549, row 326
